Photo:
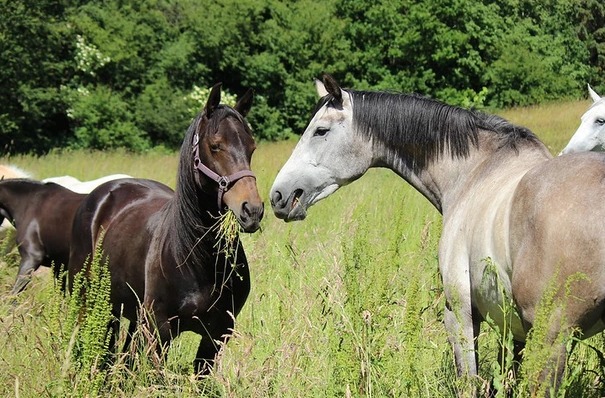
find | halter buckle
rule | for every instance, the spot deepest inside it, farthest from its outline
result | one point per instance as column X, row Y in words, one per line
column 223, row 182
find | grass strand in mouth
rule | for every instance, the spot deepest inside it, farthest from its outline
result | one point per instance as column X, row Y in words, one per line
column 227, row 233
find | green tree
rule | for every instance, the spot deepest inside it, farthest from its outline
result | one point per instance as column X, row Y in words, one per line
column 36, row 49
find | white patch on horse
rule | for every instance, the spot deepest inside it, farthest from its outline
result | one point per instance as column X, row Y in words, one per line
column 78, row 186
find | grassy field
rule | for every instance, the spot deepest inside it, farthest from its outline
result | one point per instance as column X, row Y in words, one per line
column 347, row 303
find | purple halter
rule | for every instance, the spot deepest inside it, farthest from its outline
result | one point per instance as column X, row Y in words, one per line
column 224, row 182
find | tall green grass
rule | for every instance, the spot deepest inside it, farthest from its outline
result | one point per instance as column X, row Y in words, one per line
column 347, row 303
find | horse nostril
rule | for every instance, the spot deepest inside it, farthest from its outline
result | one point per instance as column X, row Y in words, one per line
column 245, row 210
column 251, row 211
column 275, row 198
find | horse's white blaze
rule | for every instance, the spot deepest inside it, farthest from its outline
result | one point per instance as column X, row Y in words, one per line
column 590, row 135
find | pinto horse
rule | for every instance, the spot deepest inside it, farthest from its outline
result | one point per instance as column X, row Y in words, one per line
column 42, row 215
column 516, row 222
column 161, row 246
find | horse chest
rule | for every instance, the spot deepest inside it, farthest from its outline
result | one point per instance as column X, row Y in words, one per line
column 475, row 257
column 194, row 304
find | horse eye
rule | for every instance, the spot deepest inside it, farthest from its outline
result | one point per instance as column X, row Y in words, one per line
column 600, row 121
column 215, row 147
column 320, row 132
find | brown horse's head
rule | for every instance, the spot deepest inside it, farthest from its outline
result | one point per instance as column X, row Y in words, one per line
column 222, row 152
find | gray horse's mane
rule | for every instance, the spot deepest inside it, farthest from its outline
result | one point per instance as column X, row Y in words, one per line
column 418, row 129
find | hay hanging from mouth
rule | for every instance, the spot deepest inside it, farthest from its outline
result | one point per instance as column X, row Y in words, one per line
column 227, row 233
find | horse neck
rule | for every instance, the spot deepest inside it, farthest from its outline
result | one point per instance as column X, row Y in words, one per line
column 446, row 178
column 12, row 195
column 192, row 235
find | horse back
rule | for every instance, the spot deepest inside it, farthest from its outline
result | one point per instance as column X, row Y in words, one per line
column 115, row 219
column 42, row 214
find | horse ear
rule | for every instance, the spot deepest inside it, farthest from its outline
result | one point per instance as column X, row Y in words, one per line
column 595, row 97
column 214, row 99
column 333, row 88
column 321, row 89
column 245, row 103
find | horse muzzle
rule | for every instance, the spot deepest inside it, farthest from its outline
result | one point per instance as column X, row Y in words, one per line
column 244, row 201
column 250, row 216
column 291, row 207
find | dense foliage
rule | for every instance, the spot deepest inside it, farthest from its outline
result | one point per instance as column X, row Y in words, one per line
column 124, row 73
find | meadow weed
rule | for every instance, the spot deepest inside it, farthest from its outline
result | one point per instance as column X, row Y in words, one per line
column 347, row 303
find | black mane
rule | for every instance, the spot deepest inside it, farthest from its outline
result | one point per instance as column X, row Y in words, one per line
column 418, row 129
column 190, row 202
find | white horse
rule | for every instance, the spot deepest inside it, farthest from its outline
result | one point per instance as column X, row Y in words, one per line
column 78, row 186
column 517, row 224
column 590, row 135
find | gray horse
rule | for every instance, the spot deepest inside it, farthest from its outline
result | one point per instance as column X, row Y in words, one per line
column 516, row 222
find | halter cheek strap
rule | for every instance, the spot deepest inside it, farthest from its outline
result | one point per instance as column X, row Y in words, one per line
column 224, row 182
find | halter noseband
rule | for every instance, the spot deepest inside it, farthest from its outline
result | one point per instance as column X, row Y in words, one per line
column 224, row 182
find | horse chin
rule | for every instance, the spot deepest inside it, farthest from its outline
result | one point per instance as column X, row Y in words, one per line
column 248, row 225
column 298, row 213
column 248, row 216
column 300, row 202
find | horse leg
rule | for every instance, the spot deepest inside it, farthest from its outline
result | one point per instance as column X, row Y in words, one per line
column 113, row 328
column 205, row 356
column 30, row 262
column 552, row 375
column 156, row 330
column 211, row 344
column 130, row 355
column 518, row 347
column 132, row 327
column 461, row 328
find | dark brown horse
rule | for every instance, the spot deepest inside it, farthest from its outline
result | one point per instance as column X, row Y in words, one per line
column 161, row 246
column 42, row 215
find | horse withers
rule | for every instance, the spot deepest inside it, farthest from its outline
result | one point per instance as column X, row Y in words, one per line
column 42, row 215
column 163, row 248
column 517, row 224
column 590, row 135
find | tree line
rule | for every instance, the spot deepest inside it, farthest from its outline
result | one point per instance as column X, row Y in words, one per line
column 131, row 74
